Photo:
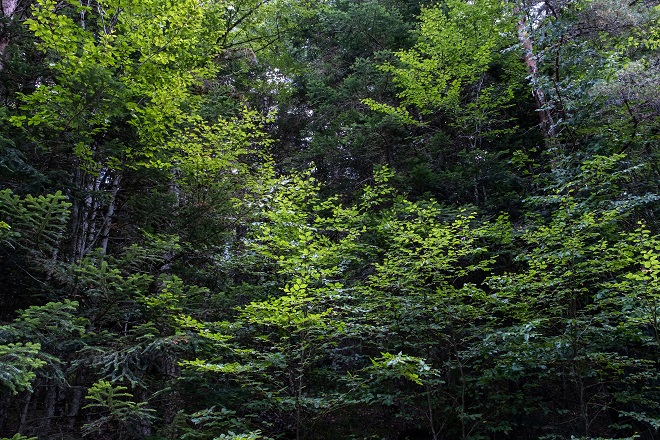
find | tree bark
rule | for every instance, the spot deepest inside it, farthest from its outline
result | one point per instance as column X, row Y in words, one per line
column 49, row 410
column 74, row 404
column 8, row 10
column 547, row 123
column 107, row 221
column 93, row 210
column 25, row 411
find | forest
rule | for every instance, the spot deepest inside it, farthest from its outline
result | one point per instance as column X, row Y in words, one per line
column 329, row 219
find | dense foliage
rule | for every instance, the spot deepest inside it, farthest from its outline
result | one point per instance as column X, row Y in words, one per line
column 349, row 219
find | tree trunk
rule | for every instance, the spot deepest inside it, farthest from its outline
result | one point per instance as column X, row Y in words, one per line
column 4, row 410
column 23, row 426
column 49, row 410
column 107, row 221
column 547, row 123
column 8, row 10
column 92, row 212
column 74, row 405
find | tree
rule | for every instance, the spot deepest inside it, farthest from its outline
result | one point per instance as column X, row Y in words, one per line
column 164, row 277
column 332, row 56
column 35, row 227
column 278, row 347
column 123, row 417
column 356, row 283
column 458, row 84
column 122, row 99
column 566, row 322
column 9, row 9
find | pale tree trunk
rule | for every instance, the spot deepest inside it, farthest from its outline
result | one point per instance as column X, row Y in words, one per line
column 8, row 10
column 539, row 96
column 110, row 212
column 26, row 405
column 92, row 214
column 547, row 123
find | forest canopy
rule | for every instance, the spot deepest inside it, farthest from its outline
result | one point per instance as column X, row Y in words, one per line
column 347, row 219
